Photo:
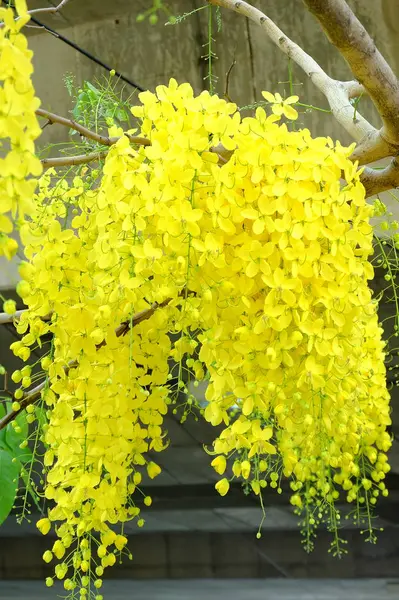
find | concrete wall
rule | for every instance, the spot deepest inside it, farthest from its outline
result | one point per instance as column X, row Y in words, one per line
column 152, row 54
column 221, row 555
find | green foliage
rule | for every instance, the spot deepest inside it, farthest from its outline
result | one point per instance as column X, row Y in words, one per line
column 97, row 106
column 175, row 20
column 158, row 6
column 16, row 462
column 9, row 473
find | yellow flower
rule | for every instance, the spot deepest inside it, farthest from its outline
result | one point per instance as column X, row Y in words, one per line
column 250, row 273
column 47, row 556
column 280, row 106
column 219, row 464
column 153, row 470
column 44, row 526
column 222, row 486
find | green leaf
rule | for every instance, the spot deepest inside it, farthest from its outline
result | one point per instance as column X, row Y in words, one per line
column 9, row 471
column 121, row 115
column 3, row 412
column 92, row 88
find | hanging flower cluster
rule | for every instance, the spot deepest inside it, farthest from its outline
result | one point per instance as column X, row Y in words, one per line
column 18, row 125
column 106, row 393
column 295, row 341
column 257, row 265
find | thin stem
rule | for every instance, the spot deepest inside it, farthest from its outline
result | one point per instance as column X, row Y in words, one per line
column 87, row 133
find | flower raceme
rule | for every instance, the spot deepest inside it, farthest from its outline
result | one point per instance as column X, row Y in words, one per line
column 258, row 267
column 18, row 125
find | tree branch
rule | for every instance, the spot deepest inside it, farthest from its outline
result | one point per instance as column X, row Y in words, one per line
column 81, row 159
column 87, row 133
column 380, row 180
column 7, row 318
column 96, row 137
column 373, row 147
column 51, row 9
column 30, row 398
column 372, row 74
column 336, row 92
column 369, row 67
column 354, row 89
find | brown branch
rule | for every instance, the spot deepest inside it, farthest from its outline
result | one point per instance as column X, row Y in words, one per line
column 226, row 87
column 91, row 135
column 380, row 180
column 373, row 147
column 121, row 330
column 369, row 67
column 30, row 398
column 64, row 161
column 87, row 133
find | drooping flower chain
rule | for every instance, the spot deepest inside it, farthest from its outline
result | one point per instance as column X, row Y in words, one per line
column 19, row 127
column 266, row 256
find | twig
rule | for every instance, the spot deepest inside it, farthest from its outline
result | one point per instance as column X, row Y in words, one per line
column 87, row 133
column 96, row 137
column 6, row 318
column 81, row 159
column 226, row 89
column 51, row 9
column 30, row 398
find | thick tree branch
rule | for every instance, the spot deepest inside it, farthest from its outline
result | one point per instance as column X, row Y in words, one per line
column 336, row 92
column 372, row 74
column 373, row 147
column 377, row 181
column 354, row 89
column 368, row 65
